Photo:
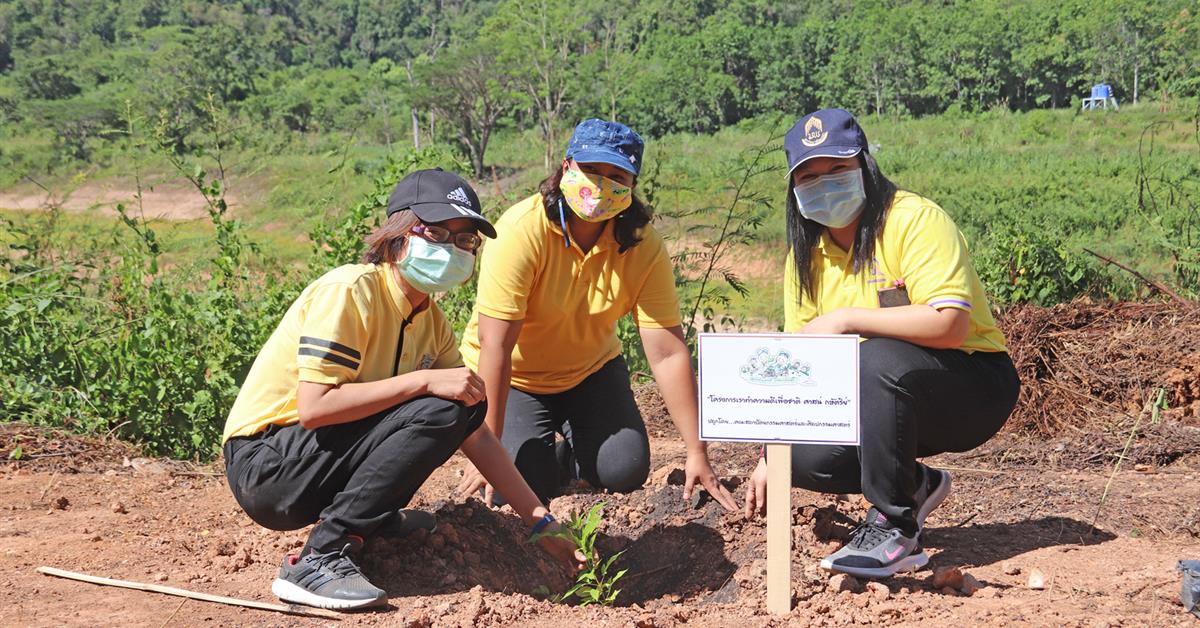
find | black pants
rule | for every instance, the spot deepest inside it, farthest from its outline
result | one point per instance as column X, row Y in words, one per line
column 352, row 476
column 915, row 402
column 599, row 420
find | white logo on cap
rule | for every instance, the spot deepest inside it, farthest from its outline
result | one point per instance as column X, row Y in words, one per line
column 459, row 195
column 464, row 211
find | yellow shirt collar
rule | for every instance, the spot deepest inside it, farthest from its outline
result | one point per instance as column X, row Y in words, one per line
column 403, row 306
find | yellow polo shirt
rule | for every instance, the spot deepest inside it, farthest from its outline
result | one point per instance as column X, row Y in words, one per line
column 344, row 327
column 569, row 300
column 919, row 245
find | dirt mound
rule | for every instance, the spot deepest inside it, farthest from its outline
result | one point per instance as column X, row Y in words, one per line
column 1100, row 365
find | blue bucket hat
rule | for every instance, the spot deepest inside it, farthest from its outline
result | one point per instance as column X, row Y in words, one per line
column 824, row 133
column 601, row 141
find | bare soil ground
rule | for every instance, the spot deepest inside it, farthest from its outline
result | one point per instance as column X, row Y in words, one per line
column 168, row 200
column 689, row 562
column 1032, row 500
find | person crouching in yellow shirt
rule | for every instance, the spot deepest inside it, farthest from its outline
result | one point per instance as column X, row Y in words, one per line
column 566, row 265
column 935, row 376
column 360, row 393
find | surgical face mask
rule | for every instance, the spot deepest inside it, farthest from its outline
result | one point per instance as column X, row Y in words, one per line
column 592, row 197
column 431, row 267
column 834, row 200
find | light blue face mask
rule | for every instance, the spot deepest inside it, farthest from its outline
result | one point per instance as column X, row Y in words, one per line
column 433, row 267
column 834, row 200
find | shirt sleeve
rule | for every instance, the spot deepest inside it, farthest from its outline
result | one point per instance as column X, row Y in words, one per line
column 333, row 336
column 448, row 355
column 507, row 270
column 934, row 262
column 657, row 303
column 796, row 313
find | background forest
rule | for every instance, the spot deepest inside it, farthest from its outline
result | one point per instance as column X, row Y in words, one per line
column 275, row 129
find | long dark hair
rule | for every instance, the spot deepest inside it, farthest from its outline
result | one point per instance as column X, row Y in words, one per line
column 803, row 234
column 627, row 225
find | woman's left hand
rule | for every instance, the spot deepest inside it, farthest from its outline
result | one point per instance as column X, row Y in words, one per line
column 832, row 323
column 698, row 469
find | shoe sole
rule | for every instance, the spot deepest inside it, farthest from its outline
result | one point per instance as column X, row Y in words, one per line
column 289, row 592
column 934, row 499
column 912, row 562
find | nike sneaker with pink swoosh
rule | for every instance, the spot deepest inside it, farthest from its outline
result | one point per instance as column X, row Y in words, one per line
column 877, row 549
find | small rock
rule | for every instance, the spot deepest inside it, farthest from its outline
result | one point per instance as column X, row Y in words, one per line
column 160, row 577
column 949, row 591
column 117, row 507
column 878, row 590
column 970, row 585
column 668, row 475
column 1009, row 568
column 95, row 538
column 843, row 582
column 437, row 541
column 1037, row 580
column 61, row 503
column 947, row 577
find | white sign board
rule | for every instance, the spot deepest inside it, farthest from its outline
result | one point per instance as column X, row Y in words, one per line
column 779, row 388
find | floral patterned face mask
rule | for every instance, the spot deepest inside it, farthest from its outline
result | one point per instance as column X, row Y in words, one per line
column 592, row 197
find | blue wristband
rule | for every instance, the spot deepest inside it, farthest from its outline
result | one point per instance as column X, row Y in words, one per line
column 541, row 524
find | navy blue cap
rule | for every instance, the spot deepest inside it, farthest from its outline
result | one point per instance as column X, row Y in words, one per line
column 436, row 195
column 824, row 133
column 604, row 142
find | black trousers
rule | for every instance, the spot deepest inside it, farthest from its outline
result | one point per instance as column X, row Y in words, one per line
column 914, row 402
column 352, row 476
column 600, row 421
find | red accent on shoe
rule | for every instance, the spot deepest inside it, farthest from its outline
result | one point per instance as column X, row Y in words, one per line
column 293, row 559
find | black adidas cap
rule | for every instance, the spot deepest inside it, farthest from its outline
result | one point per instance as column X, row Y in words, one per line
column 436, row 196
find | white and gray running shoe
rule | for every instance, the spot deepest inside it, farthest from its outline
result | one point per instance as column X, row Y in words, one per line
column 877, row 549
column 329, row 580
column 931, row 493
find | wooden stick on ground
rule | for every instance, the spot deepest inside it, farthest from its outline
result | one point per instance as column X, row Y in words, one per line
column 290, row 609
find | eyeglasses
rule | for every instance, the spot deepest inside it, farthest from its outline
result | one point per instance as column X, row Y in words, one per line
column 464, row 240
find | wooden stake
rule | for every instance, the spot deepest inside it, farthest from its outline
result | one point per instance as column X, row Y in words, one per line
column 290, row 609
column 779, row 528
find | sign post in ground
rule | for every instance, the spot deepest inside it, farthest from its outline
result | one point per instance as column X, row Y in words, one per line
column 779, row 389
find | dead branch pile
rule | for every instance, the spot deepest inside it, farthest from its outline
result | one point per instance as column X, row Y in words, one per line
column 1097, row 366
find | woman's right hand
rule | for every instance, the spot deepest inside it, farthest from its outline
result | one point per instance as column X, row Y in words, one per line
column 563, row 549
column 457, row 384
column 756, row 490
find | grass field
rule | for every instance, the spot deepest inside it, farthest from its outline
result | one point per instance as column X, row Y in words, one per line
column 1069, row 177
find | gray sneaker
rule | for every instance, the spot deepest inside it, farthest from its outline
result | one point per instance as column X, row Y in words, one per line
column 329, row 580
column 932, row 493
column 877, row 550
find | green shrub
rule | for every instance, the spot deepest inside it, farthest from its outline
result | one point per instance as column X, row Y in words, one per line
column 1026, row 265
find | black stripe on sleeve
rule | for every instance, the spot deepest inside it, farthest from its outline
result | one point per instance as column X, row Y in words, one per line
column 328, row 344
column 332, row 357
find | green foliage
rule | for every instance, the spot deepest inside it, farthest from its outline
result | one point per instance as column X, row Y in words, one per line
column 594, row 584
column 117, row 342
column 703, row 273
column 1030, row 265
